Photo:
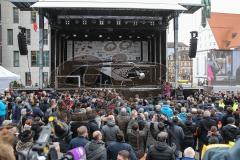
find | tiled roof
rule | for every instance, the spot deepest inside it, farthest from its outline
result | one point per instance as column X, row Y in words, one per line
column 226, row 29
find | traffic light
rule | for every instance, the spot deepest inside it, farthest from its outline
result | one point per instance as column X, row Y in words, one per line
column 22, row 42
column 193, row 44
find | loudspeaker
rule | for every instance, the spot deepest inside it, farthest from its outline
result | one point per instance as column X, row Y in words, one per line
column 22, row 43
column 193, row 44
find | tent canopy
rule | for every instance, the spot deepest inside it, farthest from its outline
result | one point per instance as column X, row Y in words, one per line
column 6, row 77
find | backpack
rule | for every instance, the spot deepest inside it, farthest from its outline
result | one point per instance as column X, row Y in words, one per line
column 78, row 153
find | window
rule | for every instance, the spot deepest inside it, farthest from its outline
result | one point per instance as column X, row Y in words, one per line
column 28, row 79
column 10, row 36
column 15, row 15
column 46, row 58
column 35, row 58
column 45, row 79
column 28, row 36
column 45, row 37
column 16, row 59
column 33, row 16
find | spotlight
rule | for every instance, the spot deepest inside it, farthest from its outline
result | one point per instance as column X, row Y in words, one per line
column 100, row 36
column 67, row 21
column 74, row 35
column 135, row 23
column 84, row 22
column 120, row 37
column 138, row 37
column 109, row 22
column 152, row 23
column 130, row 37
column 101, row 22
column 118, row 22
column 85, row 35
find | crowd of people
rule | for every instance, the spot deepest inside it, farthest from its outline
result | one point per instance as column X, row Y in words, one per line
column 106, row 125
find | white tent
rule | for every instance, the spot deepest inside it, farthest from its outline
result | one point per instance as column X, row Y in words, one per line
column 6, row 77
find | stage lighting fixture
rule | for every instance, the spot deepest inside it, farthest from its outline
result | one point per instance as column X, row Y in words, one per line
column 77, row 21
column 84, row 22
column 85, row 35
column 67, row 21
column 94, row 21
column 74, row 35
column 135, row 23
column 118, row 22
column 152, row 23
column 101, row 22
column 138, row 37
column 120, row 37
column 109, row 22
column 59, row 21
column 130, row 37
column 100, row 36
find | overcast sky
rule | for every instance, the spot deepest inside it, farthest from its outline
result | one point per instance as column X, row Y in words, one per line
column 192, row 22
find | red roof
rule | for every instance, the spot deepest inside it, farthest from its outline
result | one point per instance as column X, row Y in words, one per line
column 226, row 29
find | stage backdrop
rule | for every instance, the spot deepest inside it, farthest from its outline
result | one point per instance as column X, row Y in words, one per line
column 106, row 49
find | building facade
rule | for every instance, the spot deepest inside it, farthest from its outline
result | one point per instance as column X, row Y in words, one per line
column 27, row 66
column 185, row 63
column 217, row 58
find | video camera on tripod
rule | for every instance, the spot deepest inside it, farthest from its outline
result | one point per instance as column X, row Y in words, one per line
column 42, row 149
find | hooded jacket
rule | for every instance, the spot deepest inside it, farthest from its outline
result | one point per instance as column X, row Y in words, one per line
column 115, row 147
column 230, row 132
column 95, row 150
column 160, row 151
column 167, row 111
column 109, row 131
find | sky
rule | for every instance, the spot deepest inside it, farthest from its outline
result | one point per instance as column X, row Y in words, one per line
column 191, row 22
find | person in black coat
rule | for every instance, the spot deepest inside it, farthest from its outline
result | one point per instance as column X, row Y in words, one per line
column 189, row 128
column 230, row 132
column 81, row 140
column 137, row 139
column 204, row 126
column 229, row 113
column 95, row 150
column 161, row 150
column 114, row 147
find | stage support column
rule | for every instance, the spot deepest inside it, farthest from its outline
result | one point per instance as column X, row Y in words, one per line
column 149, row 50
column 176, row 47
column 52, row 56
column 163, row 60
column 158, row 58
column 41, row 27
